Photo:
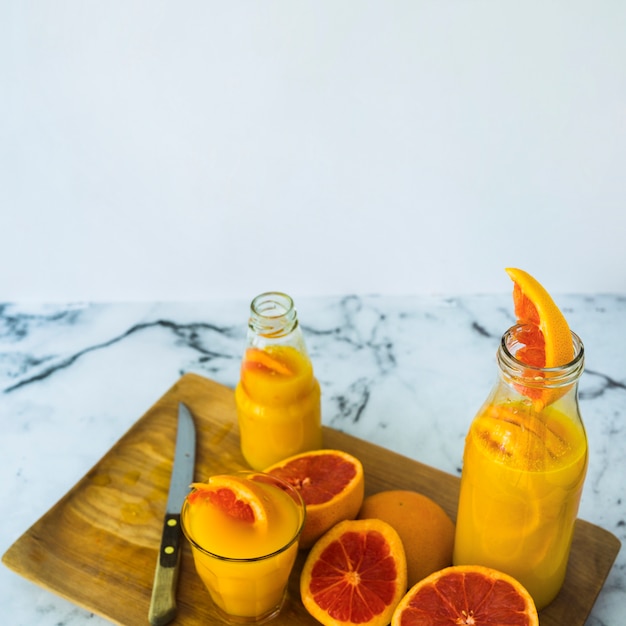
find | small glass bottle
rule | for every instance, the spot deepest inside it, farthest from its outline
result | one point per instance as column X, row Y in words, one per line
column 524, row 465
column 278, row 396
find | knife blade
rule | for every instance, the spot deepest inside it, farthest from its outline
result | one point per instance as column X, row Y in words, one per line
column 163, row 600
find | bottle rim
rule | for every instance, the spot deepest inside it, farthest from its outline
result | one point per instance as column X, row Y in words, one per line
column 273, row 314
column 536, row 376
column 272, row 304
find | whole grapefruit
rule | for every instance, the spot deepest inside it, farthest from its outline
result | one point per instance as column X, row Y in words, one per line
column 426, row 530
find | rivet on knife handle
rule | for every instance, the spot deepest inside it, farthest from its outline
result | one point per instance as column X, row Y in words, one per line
column 163, row 602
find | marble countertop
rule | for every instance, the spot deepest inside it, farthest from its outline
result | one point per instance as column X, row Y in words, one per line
column 405, row 372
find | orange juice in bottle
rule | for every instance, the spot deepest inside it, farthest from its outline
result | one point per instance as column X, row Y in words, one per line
column 524, row 466
column 244, row 532
column 278, row 396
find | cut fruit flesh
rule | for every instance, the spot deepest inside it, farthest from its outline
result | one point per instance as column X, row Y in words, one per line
column 355, row 574
column 331, row 483
column 466, row 595
column 237, row 497
column 535, row 307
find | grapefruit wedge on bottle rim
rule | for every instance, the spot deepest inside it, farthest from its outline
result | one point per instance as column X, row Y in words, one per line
column 543, row 333
column 535, row 307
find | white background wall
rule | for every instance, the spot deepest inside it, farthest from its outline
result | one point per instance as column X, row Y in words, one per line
column 199, row 149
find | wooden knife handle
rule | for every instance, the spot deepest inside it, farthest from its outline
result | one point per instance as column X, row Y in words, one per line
column 163, row 601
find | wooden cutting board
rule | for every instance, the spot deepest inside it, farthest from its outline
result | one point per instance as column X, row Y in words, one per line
column 98, row 545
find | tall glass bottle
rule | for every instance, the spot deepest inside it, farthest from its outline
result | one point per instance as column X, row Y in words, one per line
column 524, row 465
column 278, row 396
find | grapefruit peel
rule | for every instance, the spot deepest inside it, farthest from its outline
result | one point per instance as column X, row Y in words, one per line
column 426, row 530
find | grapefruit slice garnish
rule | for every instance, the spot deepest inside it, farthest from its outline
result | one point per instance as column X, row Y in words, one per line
column 266, row 362
column 237, row 497
column 466, row 595
column 354, row 574
column 331, row 484
column 549, row 339
column 544, row 335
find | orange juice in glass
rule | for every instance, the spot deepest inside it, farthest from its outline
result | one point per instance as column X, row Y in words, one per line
column 278, row 396
column 524, row 466
column 244, row 532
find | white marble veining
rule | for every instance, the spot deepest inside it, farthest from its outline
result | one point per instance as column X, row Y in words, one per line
column 405, row 372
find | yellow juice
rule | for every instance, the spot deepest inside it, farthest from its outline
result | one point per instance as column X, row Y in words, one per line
column 278, row 405
column 523, row 473
column 244, row 568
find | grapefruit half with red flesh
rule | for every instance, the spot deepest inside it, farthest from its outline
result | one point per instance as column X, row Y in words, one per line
column 355, row 574
column 466, row 595
column 331, row 484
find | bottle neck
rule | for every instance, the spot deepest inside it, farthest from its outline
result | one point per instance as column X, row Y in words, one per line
column 531, row 380
column 272, row 315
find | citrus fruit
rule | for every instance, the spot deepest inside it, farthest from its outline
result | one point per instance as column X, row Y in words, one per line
column 466, row 595
column 544, row 336
column 331, row 484
column 354, row 574
column 549, row 339
column 266, row 362
column 236, row 496
column 426, row 531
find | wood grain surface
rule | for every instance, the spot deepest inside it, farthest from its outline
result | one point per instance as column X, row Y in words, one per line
column 98, row 545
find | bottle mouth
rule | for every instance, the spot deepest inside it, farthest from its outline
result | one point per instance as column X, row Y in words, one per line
column 532, row 375
column 273, row 314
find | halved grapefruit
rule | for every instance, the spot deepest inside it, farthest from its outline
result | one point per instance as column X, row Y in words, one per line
column 466, row 595
column 331, row 484
column 355, row 574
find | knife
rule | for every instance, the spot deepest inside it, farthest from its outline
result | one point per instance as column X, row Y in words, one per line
column 163, row 601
